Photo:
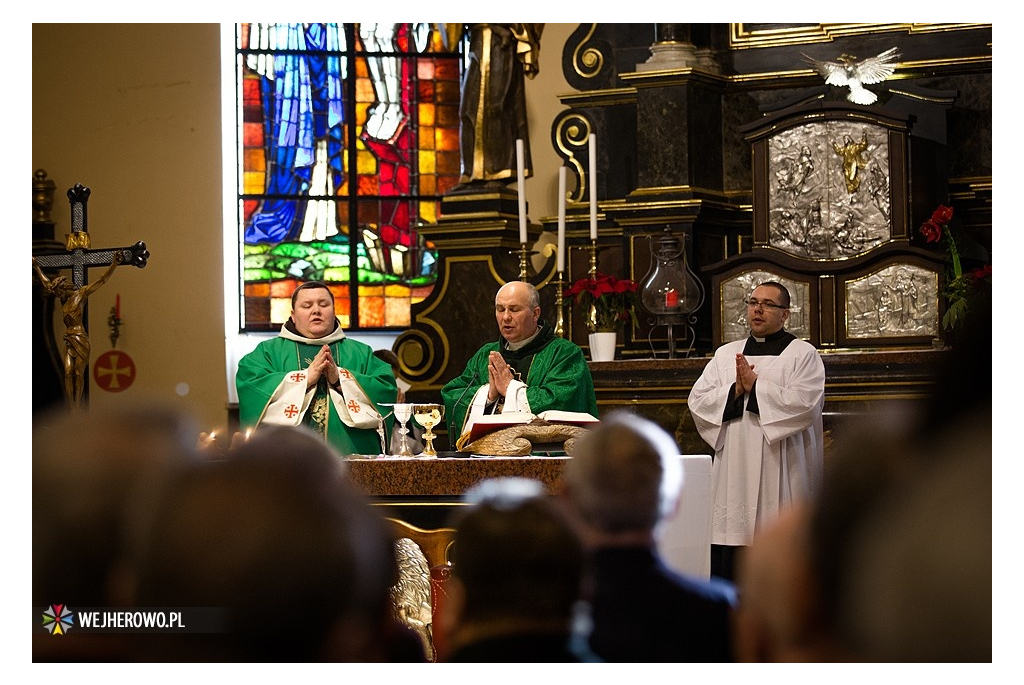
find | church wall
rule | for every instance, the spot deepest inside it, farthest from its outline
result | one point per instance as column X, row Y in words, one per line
column 133, row 113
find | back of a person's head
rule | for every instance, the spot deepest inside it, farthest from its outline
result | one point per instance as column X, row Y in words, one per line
column 777, row 618
column 86, row 467
column 916, row 577
column 300, row 452
column 902, row 542
column 278, row 549
column 516, row 554
column 901, row 535
column 624, row 474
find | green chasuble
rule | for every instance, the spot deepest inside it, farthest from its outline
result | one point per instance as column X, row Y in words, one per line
column 554, row 370
column 269, row 393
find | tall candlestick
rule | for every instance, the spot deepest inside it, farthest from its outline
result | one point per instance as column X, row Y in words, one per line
column 592, row 145
column 559, row 308
column 560, row 259
column 521, row 177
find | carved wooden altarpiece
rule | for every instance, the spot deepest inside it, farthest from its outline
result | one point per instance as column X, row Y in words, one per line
column 832, row 197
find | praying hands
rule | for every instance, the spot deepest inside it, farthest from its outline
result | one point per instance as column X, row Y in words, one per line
column 323, row 365
column 745, row 376
column 499, row 375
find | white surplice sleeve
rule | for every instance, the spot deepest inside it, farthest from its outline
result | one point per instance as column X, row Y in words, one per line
column 791, row 392
column 712, row 392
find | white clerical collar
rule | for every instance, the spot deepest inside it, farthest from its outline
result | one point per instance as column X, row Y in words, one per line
column 523, row 343
column 757, row 339
column 334, row 336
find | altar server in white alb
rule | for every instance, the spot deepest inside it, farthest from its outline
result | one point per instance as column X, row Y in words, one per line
column 758, row 403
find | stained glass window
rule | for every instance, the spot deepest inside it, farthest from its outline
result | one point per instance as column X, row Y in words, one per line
column 348, row 136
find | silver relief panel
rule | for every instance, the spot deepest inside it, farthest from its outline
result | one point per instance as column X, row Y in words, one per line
column 828, row 189
column 734, row 311
column 899, row 300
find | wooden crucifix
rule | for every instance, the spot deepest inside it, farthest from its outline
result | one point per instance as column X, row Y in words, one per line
column 73, row 296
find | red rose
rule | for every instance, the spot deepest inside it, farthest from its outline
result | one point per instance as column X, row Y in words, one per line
column 981, row 273
column 942, row 215
column 931, row 230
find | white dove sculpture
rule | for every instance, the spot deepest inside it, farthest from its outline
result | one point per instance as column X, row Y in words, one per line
column 847, row 71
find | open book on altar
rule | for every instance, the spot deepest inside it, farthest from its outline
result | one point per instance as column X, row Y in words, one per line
column 492, row 422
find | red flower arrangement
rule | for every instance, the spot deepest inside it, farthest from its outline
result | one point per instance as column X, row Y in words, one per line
column 963, row 288
column 610, row 301
column 937, row 225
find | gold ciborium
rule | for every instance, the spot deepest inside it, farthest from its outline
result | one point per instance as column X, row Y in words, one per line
column 428, row 416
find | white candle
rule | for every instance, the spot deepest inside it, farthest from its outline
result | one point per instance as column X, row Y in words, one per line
column 521, row 177
column 593, row 186
column 560, row 255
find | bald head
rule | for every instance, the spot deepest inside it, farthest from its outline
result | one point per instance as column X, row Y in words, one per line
column 517, row 311
column 520, row 290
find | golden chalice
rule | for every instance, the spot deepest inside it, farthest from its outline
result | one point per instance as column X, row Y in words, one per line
column 428, row 416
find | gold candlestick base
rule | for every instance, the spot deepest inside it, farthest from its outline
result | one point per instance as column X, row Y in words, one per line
column 560, row 320
column 524, row 261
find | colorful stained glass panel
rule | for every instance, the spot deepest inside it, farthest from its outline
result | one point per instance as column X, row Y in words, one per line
column 335, row 122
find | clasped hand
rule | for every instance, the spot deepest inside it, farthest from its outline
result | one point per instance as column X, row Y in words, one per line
column 323, row 365
column 499, row 375
column 745, row 376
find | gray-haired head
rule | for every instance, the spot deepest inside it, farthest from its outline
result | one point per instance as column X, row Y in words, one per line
column 625, row 475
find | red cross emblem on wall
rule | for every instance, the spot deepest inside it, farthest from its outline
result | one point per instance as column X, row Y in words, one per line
column 354, row 407
column 291, row 410
column 114, row 371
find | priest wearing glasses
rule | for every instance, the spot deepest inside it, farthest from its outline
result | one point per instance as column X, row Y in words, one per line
column 758, row 404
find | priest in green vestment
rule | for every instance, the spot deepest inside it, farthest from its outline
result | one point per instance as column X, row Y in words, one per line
column 312, row 375
column 528, row 369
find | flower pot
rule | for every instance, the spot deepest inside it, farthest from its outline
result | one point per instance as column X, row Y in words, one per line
column 602, row 346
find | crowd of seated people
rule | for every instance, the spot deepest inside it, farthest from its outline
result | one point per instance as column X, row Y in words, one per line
column 892, row 563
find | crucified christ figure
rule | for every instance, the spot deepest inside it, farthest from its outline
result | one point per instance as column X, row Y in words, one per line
column 76, row 338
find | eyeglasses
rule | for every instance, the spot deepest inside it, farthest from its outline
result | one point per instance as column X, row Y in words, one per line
column 766, row 306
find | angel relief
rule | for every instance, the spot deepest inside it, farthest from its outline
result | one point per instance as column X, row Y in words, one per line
column 794, row 172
